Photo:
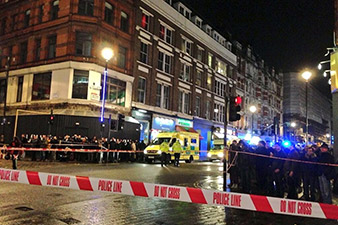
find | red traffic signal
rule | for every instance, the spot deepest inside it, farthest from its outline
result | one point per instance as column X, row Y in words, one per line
column 238, row 100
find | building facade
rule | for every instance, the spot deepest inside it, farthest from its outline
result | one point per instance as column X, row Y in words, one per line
column 53, row 49
column 319, row 110
column 259, row 86
column 170, row 71
column 182, row 70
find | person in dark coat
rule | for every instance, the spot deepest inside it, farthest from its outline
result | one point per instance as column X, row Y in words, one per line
column 326, row 174
column 262, row 167
column 245, row 166
column 310, row 172
column 277, row 171
column 234, row 172
column 292, row 173
column 16, row 143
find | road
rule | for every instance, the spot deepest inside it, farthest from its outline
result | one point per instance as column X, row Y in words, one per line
column 26, row 204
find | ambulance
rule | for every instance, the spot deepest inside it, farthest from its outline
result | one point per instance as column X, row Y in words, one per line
column 188, row 140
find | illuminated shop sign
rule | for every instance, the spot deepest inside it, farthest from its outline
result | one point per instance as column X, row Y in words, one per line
column 185, row 123
column 163, row 123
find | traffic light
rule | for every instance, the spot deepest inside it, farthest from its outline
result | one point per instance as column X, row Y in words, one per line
column 234, row 108
column 51, row 119
column 121, row 122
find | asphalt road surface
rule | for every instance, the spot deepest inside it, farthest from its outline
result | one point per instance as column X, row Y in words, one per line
column 26, row 204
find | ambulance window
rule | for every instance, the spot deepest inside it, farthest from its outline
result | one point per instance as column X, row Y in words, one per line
column 193, row 141
column 185, row 142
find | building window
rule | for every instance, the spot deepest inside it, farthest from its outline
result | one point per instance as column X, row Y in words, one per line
column 121, row 60
column 40, row 16
column 198, row 106
column 54, row 10
column 80, row 84
column 52, row 47
column 19, row 90
column 37, row 49
column 200, row 54
column 219, row 88
column 165, row 34
column 109, row 13
column 164, row 62
column 209, row 82
column 14, row 21
column 124, row 22
column 162, row 96
column 41, row 86
column 184, row 102
column 185, row 72
column 186, row 46
column 219, row 113
column 115, row 91
column 207, row 110
column 221, row 67
column 86, row 7
column 145, row 21
column 141, row 90
column 27, row 18
column 2, row 90
column 199, row 78
column 83, row 44
column 144, row 53
column 23, row 52
column 210, row 60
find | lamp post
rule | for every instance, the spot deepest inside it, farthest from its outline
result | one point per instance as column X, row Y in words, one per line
column 5, row 97
column 107, row 54
column 306, row 76
column 252, row 109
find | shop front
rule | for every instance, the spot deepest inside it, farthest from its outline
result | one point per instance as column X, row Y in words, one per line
column 161, row 123
column 144, row 118
column 204, row 128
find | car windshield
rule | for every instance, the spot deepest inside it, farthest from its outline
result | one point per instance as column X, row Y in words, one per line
column 158, row 141
column 218, row 147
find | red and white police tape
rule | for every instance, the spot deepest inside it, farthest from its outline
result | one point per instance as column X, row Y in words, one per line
column 176, row 193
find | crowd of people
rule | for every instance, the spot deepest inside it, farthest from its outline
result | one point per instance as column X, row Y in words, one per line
column 282, row 172
column 78, row 142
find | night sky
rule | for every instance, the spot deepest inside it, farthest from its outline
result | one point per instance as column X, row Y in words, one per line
column 288, row 34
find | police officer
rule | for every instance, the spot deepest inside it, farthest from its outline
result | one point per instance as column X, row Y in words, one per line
column 164, row 147
column 177, row 148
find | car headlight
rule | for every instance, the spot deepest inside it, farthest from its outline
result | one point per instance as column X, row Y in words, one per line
column 209, row 154
column 145, row 151
column 220, row 155
column 159, row 152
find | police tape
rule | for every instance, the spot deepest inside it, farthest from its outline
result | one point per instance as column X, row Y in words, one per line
column 176, row 193
column 139, row 151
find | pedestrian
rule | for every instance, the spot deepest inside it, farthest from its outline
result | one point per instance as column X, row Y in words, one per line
column 233, row 170
column 141, row 148
column 326, row 174
column 292, row 173
column 177, row 148
column 16, row 143
column 244, row 166
column 262, row 167
column 310, row 172
column 277, row 171
column 133, row 153
column 164, row 148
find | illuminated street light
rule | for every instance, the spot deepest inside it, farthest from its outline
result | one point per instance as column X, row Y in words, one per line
column 320, row 66
column 253, row 109
column 306, row 75
column 293, row 124
column 107, row 54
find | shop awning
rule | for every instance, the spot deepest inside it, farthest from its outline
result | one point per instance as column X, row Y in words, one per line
column 187, row 129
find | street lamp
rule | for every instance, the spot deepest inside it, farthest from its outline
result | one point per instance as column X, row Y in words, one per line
column 252, row 109
column 107, row 54
column 293, row 124
column 306, row 76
